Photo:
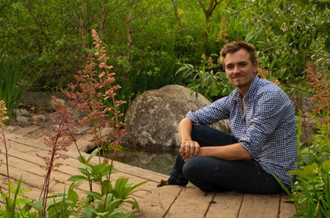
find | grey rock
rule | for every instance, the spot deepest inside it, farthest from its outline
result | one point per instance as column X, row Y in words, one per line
column 22, row 112
column 23, row 121
column 152, row 118
column 52, row 103
column 38, row 118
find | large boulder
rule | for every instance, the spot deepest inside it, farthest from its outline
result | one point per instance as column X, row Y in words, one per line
column 152, row 118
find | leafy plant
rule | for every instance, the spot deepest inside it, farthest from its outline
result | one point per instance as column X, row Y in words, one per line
column 93, row 95
column 206, row 79
column 311, row 191
column 110, row 197
column 14, row 81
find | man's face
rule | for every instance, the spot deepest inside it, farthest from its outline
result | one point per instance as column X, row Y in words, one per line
column 240, row 70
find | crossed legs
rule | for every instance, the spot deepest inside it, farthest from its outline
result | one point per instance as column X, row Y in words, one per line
column 214, row 174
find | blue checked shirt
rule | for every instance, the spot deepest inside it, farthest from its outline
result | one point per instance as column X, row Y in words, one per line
column 266, row 128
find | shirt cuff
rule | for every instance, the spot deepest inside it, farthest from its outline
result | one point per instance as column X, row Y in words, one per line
column 192, row 116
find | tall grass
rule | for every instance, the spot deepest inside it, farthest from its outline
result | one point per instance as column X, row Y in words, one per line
column 15, row 80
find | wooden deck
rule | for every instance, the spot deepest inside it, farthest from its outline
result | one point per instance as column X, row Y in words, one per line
column 164, row 202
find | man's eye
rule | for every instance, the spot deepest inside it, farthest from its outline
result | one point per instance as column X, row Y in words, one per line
column 230, row 67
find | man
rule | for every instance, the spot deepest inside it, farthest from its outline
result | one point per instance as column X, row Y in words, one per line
column 263, row 125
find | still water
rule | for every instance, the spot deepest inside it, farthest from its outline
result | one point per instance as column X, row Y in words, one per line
column 158, row 161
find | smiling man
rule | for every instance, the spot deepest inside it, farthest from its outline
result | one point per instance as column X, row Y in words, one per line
column 263, row 141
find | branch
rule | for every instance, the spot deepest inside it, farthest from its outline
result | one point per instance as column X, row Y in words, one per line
column 211, row 9
column 227, row 5
column 2, row 7
column 202, row 5
column 40, row 25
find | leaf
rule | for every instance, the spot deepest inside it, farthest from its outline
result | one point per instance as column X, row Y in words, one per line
column 117, row 213
column 272, row 64
column 309, row 171
column 94, row 153
column 81, row 159
column 77, row 178
column 327, row 44
column 85, row 172
column 106, row 186
column 36, row 205
column 326, row 165
column 95, row 195
column 120, row 184
column 278, row 31
column 73, row 196
column 87, row 212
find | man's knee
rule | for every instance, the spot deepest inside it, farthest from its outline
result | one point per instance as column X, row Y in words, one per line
column 189, row 167
column 194, row 167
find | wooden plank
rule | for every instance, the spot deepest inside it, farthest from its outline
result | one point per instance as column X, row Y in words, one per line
column 225, row 205
column 84, row 143
column 192, row 202
column 33, row 175
column 27, row 161
column 159, row 201
column 287, row 209
column 39, row 133
column 84, row 130
column 34, row 146
column 260, row 206
column 24, row 131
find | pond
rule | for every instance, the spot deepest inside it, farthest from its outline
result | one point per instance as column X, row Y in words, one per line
column 158, row 161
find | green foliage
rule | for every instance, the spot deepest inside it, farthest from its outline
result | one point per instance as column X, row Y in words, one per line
column 14, row 201
column 144, row 48
column 206, row 79
column 96, row 173
column 15, row 79
column 93, row 90
column 289, row 33
column 311, row 191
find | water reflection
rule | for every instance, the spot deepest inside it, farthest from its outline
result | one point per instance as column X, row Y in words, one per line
column 158, row 161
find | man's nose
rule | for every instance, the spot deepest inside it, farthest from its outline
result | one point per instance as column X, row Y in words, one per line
column 236, row 69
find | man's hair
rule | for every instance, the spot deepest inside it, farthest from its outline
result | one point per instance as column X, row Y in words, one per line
column 234, row 46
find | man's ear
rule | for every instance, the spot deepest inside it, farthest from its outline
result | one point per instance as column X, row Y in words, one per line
column 255, row 67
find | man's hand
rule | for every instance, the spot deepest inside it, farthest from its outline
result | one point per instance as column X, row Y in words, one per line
column 189, row 149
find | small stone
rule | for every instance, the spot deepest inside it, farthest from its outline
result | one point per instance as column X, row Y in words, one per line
column 22, row 112
column 38, row 118
column 52, row 103
column 23, row 121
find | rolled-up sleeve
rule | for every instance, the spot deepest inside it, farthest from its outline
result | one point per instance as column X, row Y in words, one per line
column 216, row 111
column 268, row 114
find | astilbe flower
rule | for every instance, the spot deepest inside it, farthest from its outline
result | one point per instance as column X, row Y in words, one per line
column 94, row 95
column 57, row 140
column 320, row 86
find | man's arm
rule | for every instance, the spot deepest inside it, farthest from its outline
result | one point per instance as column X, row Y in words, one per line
column 191, row 148
column 188, row 147
column 227, row 152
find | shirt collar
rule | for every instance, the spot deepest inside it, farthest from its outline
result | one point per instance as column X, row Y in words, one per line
column 250, row 92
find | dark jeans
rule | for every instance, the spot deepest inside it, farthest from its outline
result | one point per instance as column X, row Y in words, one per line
column 214, row 174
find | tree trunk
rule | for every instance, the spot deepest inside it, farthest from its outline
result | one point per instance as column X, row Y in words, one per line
column 176, row 13
column 82, row 29
column 208, row 13
column 129, row 30
column 102, row 22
